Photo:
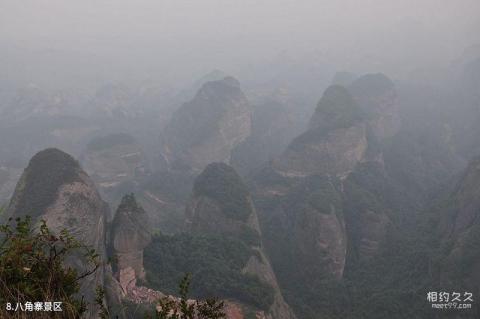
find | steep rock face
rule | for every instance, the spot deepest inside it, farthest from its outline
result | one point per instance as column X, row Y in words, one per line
column 303, row 225
column 221, row 205
column 335, row 141
column 319, row 227
column 129, row 236
column 461, row 215
column 369, row 197
column 189, row 92
column 454, row 230
column 325, row 202
column 54, row 188
column 468, row 198
column 208, row 127
column 377, row 97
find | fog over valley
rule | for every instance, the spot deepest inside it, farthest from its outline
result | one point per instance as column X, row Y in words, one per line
column 290, row 159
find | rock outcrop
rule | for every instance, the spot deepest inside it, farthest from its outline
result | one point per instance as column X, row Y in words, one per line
column 221, row 204
column 369, row 198
column 461, row 217
column 455, row 222
column 130, row 234
column 54, row 188
column 207, row 128
column 335, row 141
column 322, row 203
column 303, row 226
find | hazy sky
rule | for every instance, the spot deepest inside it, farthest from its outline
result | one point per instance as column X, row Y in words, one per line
column 228, row 34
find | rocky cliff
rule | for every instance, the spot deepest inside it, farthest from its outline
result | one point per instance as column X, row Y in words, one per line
column 369, row 197
column 325, row 203
column 458, row 228
column 207, row 128
column 221, row 204
column 130, row 234
column 54, row 188
column 335, row 141
column 221, row 248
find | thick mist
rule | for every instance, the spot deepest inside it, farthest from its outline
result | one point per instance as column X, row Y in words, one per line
column 299, row 158
column 58, row 43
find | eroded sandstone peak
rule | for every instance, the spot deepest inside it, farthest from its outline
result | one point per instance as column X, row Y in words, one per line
column 54, row 188
column 335, row 141
column 130, row 235
column 208, row 127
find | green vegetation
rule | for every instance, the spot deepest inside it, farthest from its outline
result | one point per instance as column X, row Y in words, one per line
column 33, row 268
column 215, row 263
column 104, row 142
column 46, row 172
column 220, row 182
column 182, row 308
column 305, row 284
column 416, row 256
column 249, row 236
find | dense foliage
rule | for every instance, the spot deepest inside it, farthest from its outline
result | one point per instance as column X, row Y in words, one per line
column 33, row 268
column 215, row 262
column 301, row 273
column 414, row 259
column 220, row 182
column 183, row 308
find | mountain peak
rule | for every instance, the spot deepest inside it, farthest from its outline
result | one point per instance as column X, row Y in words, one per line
column 207, row 128
column 52, row 165
column 335, row 109
column 226, row 87
column 130, row 235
